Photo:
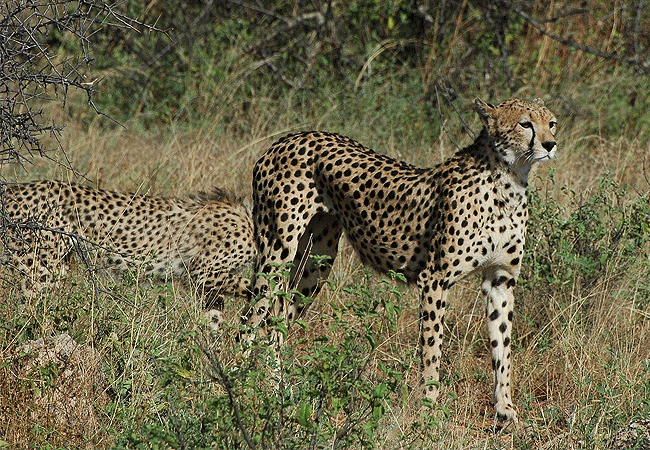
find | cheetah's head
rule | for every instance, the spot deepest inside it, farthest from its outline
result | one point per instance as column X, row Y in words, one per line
column 523, row 132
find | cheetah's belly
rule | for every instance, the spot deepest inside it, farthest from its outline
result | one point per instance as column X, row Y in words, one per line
column 386, row 245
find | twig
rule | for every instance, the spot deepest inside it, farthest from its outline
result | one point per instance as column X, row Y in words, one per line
column 641, row 65
column 259, row 9
column 571, row 12
column 637, row 23
column 466, row 127
column 225, row 382
column 290, row 24
column 319, row 413
column 189, row 29
column 499, row 35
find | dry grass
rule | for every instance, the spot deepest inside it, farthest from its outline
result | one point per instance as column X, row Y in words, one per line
column 581, row 368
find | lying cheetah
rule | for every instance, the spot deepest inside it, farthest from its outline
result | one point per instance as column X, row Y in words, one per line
column 208, row 236
column 435, row 226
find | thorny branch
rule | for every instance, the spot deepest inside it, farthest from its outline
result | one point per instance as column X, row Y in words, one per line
column 223, row 379
column 31, row 72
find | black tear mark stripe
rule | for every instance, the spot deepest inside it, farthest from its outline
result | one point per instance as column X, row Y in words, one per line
column 532, row 140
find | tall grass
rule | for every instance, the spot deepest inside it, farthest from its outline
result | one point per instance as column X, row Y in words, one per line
column 581, row 362
column 348, row 377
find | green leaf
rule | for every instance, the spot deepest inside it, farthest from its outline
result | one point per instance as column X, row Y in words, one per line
column 377, row 412
column 303, row 415
column 381, row 390
column 282, row 328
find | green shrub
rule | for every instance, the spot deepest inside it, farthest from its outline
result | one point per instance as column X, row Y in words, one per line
column 585, row 237
column 329, row 389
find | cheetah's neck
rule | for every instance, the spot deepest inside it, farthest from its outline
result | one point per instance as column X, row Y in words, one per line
column 503, row 160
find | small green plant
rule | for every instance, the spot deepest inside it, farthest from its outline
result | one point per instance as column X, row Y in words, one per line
column 329, row 388
column 585, row 237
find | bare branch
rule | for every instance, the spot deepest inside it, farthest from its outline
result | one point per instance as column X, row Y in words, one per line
column 497, row 19
column 644, row 65
column 223, row 379
column 259, row 9
column 31, row 72
column 637, row 23
column 571, row 12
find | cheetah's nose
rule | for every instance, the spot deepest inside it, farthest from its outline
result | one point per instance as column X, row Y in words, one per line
column 549, row 145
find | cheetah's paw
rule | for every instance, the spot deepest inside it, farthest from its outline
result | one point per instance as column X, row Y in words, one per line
column 505, row 412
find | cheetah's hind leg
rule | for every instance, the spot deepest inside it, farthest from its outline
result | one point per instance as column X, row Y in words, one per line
column 320, row 240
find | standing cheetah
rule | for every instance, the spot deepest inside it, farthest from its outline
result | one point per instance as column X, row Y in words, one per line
column 208, row 236
column 435, row 225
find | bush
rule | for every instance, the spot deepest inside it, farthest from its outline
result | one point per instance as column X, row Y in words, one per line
column 585, row 240
column 330, row 389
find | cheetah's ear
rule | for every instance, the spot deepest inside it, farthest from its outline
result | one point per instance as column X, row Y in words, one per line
column 538, row 101
column 485, row 110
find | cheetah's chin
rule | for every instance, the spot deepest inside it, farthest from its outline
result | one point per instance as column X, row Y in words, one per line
column 544, row 158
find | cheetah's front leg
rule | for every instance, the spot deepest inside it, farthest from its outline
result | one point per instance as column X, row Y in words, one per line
column 498, row 286
column 215, row 287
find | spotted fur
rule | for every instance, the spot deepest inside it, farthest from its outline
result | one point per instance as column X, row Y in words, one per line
column 208, row 236
column 435, row 225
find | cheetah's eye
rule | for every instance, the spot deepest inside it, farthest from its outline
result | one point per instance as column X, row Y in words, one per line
column 552, row 124
column 526, row 124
